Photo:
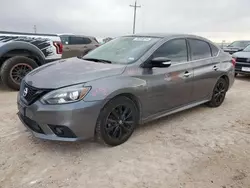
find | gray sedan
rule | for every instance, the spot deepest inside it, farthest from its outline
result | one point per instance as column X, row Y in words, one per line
column 125, row 82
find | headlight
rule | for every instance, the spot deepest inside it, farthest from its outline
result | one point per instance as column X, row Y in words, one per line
column 65, row 95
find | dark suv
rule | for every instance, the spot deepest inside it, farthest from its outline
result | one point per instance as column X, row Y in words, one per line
column 77, row 45
column 242, row 61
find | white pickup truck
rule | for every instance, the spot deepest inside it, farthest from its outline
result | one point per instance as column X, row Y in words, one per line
column 22, row 52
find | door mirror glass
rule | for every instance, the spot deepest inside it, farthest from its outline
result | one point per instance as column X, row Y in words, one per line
column 160, row 62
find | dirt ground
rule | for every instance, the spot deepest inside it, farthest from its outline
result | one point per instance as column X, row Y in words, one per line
column 198, row 148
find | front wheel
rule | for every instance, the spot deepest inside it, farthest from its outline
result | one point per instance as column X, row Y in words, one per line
column 15, row 69
column 219, row 93
column 117, row 121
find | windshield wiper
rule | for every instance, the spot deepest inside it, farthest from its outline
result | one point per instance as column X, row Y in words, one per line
column 98, row 60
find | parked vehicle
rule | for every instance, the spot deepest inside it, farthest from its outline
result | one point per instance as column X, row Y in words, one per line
column 242, row 61
column 77, row 45
column 236, row 46
column 22, row 52
column 125, row 82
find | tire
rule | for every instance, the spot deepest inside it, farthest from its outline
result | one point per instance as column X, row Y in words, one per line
column 236, row 74
column 109, row 128
column 8, row 68
column 219, row 93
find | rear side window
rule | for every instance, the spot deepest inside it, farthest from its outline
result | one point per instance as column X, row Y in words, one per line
column 175, row 49
column 214, row 49
column 79, row 40
column 65, row 39
column 199, row 49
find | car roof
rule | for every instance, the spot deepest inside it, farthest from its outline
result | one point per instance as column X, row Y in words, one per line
column 166, row 35
column 73, row 35
column 241, row 41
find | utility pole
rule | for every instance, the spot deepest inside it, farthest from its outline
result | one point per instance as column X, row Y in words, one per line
column 34, row 28
column 135, row 6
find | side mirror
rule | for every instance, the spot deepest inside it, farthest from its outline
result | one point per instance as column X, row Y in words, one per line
column 161, row 62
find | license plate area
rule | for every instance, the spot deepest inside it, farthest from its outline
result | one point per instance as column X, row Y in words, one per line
column 246, row 69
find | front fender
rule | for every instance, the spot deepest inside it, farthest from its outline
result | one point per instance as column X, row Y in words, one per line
column 108, row 88
column 17, row 45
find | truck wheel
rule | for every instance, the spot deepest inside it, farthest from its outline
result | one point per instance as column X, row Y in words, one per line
column 15, row 69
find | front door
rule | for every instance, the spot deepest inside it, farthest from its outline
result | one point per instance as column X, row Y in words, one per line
column 170, row 87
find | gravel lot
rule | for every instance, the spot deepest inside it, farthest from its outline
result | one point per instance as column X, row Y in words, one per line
column 198, row 148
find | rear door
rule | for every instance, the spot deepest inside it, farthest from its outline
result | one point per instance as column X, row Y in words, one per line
column 76, row 46
column 206, row 68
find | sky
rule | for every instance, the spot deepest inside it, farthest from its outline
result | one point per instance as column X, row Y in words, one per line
column 214, row 19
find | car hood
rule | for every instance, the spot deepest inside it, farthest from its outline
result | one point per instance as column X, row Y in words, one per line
column 242, row 54
column 70, row 71
column 232, row 49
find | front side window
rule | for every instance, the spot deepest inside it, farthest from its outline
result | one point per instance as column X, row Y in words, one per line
column 199, row 49
column 123, row 50
column 175, row 50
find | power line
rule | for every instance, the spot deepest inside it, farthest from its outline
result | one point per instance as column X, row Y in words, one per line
column 135, row 6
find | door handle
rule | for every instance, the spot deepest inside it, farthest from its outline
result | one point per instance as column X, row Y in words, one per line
column 215, row 68
column 187, row 74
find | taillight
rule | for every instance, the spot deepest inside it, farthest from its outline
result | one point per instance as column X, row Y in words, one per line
column 59, row 47
column 233, row 61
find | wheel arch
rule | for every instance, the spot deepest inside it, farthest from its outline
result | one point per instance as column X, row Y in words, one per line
column 226, row 78
column 21, row 49
column 132, row 97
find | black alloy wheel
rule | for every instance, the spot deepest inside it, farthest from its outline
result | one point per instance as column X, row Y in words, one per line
column 117, row 121
column 120, row 122
column 219, row 93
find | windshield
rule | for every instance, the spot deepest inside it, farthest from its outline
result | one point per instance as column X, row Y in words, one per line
column 239, row 44
column 247, row 49
column 123, row 50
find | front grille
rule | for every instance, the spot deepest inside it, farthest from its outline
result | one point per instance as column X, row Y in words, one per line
column 32, row 124
column 30, row 94
column 238, row 59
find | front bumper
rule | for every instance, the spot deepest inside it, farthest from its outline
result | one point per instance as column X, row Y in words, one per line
column 76, row 120
column 239, row 68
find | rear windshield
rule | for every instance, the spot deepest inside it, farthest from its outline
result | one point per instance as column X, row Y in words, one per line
column 65, row 39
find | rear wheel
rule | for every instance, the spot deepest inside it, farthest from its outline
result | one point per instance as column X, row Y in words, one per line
column 117, row 121
column 15, row 69
column 219, row 93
